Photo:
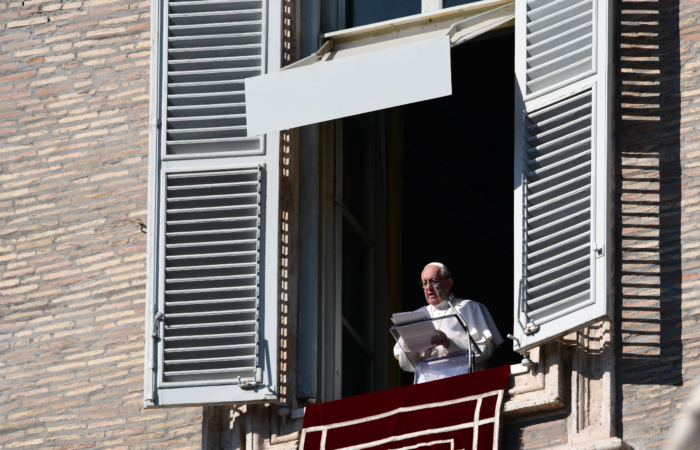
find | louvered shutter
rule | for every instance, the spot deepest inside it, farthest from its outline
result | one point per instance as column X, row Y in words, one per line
column 211, row 319
column 212, row 46
column 562, row 167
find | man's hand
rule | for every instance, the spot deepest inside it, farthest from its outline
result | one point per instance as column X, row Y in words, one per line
column 440, row 339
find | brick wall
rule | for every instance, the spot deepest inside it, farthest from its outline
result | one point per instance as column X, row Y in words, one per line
column 74, row 82
column 658, row 155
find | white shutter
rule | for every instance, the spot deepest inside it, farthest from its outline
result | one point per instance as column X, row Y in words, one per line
column 562, row 167
column 211, row 307
column 211, row 47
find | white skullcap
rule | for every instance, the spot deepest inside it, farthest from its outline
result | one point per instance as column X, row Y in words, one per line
column 444, row 271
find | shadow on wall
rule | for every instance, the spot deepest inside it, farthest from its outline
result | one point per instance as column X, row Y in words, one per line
column 648, row 198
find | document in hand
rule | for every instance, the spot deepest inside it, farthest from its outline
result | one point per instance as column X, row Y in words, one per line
column 402, row 318
column 417, row 336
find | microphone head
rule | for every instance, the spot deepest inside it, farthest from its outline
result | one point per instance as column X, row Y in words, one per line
column 439, row 289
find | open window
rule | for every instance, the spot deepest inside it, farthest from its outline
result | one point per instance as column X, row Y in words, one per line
column 443, row 134
column 211, row 307
column 561, row 133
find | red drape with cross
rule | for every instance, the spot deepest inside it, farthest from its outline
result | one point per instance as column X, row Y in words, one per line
column 456, row 413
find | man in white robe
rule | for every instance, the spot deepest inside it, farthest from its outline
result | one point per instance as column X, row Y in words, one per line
column 478, row 319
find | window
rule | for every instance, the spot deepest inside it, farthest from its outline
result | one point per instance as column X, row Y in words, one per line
column 421, row 197
column 562, row 133
column 211, row 307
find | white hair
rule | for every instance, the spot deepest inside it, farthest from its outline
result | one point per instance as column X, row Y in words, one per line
column 444, row 271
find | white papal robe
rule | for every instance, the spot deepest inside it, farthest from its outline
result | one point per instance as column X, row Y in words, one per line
column 481, row 327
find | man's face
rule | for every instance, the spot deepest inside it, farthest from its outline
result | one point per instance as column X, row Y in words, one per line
column 431, row 294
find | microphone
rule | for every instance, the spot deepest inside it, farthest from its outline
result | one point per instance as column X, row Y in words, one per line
column 470, row 363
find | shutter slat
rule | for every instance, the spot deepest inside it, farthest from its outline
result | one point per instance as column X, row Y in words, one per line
column 553, row 227
column 212, row 266
column 544, row 298
column 206, row 106
column 212, row 47
column 559, row 166
column 559, row 246
column 212, row 313
column 559, row 75
column 549, row 272
column 558, row 141
column 194, row 337
column 209, row 325
column 577, row 201
column 555, row 309
column 558, row 256
column 557, row 281
column 209, row 232
column 198, row 374
column 557, row 131
column 216, row 48
column 210, row 255
column 563, row 232
column 546, row 51
column 210, row 197
column 209, row 290
column 174, row 122
column 558, row 187
column 211, row 185
column 205, row 348
column 554, row 12
column 210, row 302
column 190, row 280
column 205, row 360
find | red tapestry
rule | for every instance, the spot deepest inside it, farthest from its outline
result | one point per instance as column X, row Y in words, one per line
column 456, row 413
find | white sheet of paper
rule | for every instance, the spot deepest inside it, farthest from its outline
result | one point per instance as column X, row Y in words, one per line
column 403, row 318
column 417, row 336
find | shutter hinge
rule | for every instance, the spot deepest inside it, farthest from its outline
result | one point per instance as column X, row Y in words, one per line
column 158, row 317
column 599, row 251
column 155, row 123
column 531, row 328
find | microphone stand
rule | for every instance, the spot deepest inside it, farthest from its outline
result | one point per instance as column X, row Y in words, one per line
column 470, row 366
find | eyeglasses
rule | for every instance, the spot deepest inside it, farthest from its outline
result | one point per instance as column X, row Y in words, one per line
column 431, row 282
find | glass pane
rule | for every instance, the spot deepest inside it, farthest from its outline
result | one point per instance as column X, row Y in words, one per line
column 451, row 3
column 355, row 289
column 356, row 368
column 364, row 12
column 355, row 153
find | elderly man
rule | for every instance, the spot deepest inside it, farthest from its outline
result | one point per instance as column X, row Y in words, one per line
column 478, row 319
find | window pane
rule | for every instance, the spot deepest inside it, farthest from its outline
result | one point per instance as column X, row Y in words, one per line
column 364, row 12
column 356, row 368
column 355, row 154
column 451, row 3
column 355, row 289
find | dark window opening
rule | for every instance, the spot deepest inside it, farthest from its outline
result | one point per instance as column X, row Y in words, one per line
column 458, row 185
column 430, row 181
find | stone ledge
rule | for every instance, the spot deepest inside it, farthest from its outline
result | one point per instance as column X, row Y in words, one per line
column 602, row 444
column 539, row 390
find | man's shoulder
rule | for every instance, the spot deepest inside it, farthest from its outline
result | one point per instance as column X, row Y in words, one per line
column 463, row 303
